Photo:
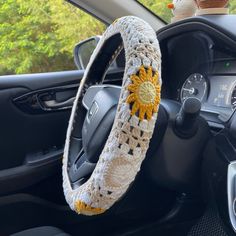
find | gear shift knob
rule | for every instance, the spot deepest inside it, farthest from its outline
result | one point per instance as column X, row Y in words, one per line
column 186, row 119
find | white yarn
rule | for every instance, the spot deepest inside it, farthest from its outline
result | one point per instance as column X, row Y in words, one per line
column 117, row 166
column 183, row 9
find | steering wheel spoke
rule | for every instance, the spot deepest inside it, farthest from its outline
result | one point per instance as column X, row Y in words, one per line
column 81, row 170
column 99, row 119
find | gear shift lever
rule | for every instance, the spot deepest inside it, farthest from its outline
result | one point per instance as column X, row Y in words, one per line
column 186, row 120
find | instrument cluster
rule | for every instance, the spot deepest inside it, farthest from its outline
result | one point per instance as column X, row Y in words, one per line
column 200, row 66
column 217, row 92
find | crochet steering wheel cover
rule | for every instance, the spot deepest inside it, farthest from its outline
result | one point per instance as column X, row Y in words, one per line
column 134, row 123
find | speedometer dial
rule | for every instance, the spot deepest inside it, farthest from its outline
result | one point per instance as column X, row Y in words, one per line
column 233, row 98
column 195, row 86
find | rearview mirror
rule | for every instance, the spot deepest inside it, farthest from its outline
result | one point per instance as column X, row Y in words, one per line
column 84, row 50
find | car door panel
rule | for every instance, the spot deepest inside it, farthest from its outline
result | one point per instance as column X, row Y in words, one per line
column 35, row 111
column 31, row 144
column 40, row 80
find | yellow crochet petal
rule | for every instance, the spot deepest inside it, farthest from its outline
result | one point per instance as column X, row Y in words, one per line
column 155, row 78
column 131, row 98
column 155, row 109
column 115, row 21
column 135, row 108
column 141, row 113
column 149, row 113
column 142, row 74
column 135, row 79
column 83, row 208
column 149, row 73
column 157, row 102
column 132, row 87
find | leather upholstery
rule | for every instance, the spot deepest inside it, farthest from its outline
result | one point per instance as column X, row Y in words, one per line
column 39, row 231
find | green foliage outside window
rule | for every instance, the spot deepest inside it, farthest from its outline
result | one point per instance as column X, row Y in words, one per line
column 39, row 36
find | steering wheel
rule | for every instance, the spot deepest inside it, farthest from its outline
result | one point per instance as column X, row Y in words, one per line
column 96, row 176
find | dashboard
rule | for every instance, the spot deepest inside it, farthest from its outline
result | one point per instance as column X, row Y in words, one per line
column 216, row 90
column 201, row 64
column 199, row 60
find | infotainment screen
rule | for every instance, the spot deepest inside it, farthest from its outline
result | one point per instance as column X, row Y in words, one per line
column 221, row 89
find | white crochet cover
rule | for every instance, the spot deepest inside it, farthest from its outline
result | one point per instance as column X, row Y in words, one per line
column 134, row 122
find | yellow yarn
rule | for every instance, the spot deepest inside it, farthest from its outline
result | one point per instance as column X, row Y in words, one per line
column 115, row 21
column 144, row 93
column 83, row 208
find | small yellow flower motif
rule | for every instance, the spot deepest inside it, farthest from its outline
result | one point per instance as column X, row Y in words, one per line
column 115, row 21
column 144, row 93
column 83, row 208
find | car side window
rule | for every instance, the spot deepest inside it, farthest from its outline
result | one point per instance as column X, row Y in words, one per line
column 39, row 36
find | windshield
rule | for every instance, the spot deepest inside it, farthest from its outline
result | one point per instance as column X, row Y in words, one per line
column 159, row 7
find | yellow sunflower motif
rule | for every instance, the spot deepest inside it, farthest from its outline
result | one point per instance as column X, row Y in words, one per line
column 144, row 93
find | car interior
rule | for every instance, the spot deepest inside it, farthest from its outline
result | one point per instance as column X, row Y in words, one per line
column 186, row 184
